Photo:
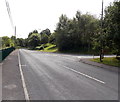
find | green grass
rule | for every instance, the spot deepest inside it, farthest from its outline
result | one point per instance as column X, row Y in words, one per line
column 48, row 47
column 109, row 61
column 4, row 48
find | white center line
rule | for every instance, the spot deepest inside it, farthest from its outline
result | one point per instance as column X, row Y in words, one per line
column 23, row 80
column 90, row 77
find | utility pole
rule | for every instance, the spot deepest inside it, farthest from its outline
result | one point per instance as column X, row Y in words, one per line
column 15, row 35
column 101, row 40
column 11, row 20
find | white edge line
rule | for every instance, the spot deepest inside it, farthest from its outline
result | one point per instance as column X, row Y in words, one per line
column 90, row 77
column 23, row 80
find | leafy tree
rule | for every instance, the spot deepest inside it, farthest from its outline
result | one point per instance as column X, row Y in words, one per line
column 34, row 40
column 30, row 34
column 20, row 42
column 52, row 38
column 76, row 33
column 62, row 36
column 112, row 26
column 46, row 31
column 26, row 42
column 6, row 41
column 44, row 39
column 13, row 38
column 35, row 31
column 90, row 29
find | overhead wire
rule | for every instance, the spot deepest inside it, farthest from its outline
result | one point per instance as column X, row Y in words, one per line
column 9, row 13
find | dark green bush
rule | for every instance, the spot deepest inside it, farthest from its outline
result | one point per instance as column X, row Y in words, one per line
column 5, row 52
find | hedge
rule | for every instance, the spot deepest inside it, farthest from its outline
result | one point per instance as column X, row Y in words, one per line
column 5, row 52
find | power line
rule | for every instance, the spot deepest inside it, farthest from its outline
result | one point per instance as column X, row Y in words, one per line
column 11, row 20
column 10, row 17
column 9, row 13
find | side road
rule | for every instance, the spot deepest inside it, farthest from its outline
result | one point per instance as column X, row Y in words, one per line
column 12, row 88
column 107, row 67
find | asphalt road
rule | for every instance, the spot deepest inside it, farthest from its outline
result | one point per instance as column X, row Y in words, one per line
column 50, row 76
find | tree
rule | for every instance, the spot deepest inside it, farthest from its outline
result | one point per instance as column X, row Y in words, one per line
column 112, row 26
column 35, row 31
column 44, row 39
column 30, row 34
column 6, row 41
column 46, row 31
column 52, row 38
column 90, row 29
column 34, row 40
column 76, row 33
column 13, row 38
column 62, row 36
column 20, row 42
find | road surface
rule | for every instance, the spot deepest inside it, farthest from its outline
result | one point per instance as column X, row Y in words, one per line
column 50, row 76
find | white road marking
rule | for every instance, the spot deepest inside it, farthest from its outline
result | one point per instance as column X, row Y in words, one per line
column 23, row 65
column 23, row 80
column 90, row 77
column 79, row 57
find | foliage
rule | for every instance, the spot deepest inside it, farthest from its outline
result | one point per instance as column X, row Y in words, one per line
column 21, row 42
column 44, row 39
column 46, row 31
column 112, row 26
column 62, row 36
column 7, row 42
column 35, row 31
column 76, row 33
column 5, row 52
column 47, row 47
column 33, row 40
column 52, row 38
column 82, row 33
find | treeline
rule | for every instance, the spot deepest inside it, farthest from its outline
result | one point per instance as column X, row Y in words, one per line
column 82, row 33
column 36, row 39
column 76, row 33
column 7, row 42
column 88, row 34
column 6, row 46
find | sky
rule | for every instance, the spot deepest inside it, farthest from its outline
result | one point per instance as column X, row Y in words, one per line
column 28, row 15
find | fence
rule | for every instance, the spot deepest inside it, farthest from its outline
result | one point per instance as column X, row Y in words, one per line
column 5, row 52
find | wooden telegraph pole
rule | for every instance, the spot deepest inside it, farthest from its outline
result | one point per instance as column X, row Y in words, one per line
column 101, row 40
column 15, row 35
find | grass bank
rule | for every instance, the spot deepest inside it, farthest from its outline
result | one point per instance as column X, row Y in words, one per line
column 47, row 48
column 53, row 48
column 108, row 61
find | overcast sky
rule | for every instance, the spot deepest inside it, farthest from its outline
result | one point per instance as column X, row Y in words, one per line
column 28, row 15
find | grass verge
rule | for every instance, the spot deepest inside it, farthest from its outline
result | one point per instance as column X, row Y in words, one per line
column 48, row 48
column 108, row 61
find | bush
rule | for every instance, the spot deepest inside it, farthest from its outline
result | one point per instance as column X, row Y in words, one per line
column 5, row 52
